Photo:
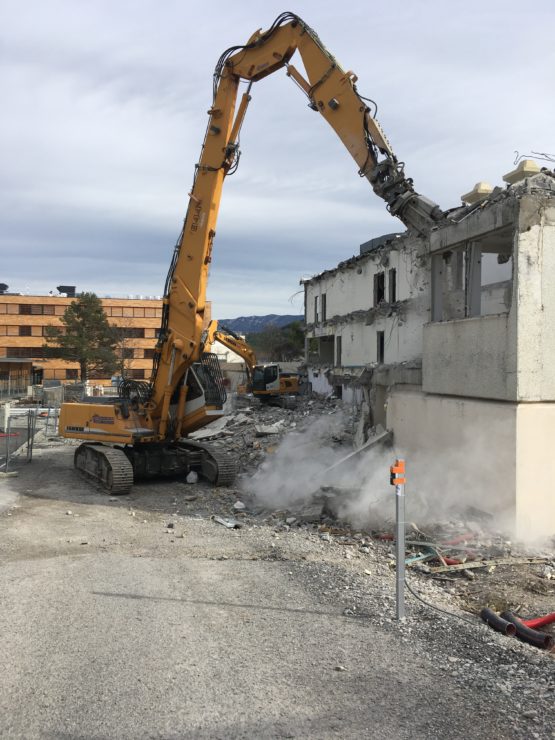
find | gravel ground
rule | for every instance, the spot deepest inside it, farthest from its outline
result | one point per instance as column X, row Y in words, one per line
column 140, row 616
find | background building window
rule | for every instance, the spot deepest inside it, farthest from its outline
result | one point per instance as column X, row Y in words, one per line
column 72, row 374
column 338, row 350
column 324, row 306
column 136, row 374
column 149, row 354
column 316, row 319
column 131, row 332
column 24, row 331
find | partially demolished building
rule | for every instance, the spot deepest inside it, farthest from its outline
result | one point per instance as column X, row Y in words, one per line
column 449, row 342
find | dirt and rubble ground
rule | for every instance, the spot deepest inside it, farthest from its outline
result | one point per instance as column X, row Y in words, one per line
column 143, row 616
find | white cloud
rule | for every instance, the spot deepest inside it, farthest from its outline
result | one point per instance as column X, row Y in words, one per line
column 105, row 108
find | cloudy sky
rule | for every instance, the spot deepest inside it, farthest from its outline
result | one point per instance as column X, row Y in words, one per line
column 104, row 110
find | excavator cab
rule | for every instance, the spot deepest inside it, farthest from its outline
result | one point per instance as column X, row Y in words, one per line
column 265, row 378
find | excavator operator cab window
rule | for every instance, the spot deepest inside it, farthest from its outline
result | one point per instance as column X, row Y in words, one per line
column 271, row 373
column 194, row 389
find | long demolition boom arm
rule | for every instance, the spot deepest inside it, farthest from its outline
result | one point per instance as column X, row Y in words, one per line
column 332, row 92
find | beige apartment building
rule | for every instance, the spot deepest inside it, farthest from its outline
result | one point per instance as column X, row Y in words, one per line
column 23, row 319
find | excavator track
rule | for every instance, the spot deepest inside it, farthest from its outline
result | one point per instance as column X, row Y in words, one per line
column 107, row 466
column 214, row 464
column 226, row 470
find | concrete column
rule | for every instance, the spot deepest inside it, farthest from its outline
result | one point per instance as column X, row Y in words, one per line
column 437, row 287
column 473, row 280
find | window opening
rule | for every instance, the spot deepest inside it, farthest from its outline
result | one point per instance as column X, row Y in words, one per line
column 392, row 285
column 379, row 288
column 380, row 346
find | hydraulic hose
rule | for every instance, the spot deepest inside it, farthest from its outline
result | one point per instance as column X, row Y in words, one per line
column 498, row 623
column 526, row 634
column 540, row 621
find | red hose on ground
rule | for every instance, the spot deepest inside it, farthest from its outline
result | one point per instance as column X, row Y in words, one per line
column 539, row 621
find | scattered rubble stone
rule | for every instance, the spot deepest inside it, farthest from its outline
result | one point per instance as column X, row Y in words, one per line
column 192, row 477
column 229, row 523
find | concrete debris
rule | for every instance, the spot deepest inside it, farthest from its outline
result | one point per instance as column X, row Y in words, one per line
column 253, row 433
column 192, row 477
column 211, row 431
column 239, row 506
column 229, row 523
column 263, row 429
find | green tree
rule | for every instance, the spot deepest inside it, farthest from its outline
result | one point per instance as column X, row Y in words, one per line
column 278, row 345
column 85, row 337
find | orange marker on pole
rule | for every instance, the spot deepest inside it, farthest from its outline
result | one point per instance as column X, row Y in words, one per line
column 397, row 478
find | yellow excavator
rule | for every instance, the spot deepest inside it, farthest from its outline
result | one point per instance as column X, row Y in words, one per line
column 266, row 382
column 142, row 432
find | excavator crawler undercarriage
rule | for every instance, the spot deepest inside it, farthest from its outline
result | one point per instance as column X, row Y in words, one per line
column 115, row 468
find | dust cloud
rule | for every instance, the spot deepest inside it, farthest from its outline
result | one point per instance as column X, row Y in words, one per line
column 466, row 483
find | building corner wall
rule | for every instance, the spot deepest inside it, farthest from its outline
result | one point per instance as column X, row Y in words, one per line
column 448, row 443
column 535, row 471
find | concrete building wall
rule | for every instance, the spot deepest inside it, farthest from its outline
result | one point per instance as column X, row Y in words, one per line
column 319, row 382
column 351, row 312
column 467, row 377
column 470, row 357
column 535, row 471
column 535, row 297
column 459, row 452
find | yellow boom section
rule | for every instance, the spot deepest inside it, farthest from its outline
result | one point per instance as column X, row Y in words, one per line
column 332, row 92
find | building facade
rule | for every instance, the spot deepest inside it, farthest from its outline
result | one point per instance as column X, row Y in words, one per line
column 24, row 318
column 449, row 342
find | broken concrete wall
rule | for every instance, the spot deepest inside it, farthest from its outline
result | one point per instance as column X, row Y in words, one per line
column 477, row 309
column 382, row 291
column 470, row 357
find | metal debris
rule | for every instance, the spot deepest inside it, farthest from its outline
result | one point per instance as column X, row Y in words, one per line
column 229, row 523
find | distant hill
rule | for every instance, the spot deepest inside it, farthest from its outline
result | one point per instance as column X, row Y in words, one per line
column 254, row 324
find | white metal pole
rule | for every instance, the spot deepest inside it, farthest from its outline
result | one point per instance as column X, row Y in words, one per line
column 397, row 478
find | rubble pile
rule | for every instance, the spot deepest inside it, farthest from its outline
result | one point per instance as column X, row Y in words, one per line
column 253, row 432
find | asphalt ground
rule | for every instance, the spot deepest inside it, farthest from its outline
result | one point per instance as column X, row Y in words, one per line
column 116, row 625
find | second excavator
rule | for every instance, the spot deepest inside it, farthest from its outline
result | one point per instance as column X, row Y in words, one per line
column 266, row 382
